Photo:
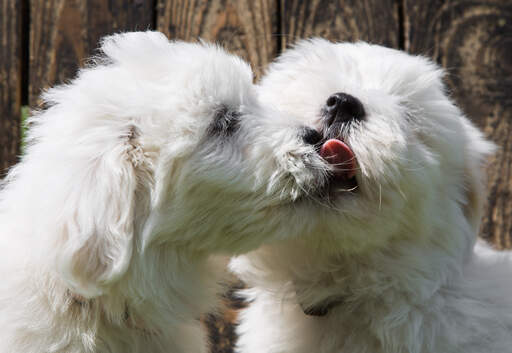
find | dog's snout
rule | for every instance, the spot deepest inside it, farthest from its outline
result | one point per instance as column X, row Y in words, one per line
column 311, row 136
column 341, row 107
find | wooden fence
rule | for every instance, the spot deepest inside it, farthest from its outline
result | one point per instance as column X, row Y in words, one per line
column 43, row 42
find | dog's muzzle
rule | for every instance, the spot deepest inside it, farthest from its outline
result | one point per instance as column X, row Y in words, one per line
column 339, row 111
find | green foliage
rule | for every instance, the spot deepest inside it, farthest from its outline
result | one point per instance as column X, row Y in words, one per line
column 25, row 111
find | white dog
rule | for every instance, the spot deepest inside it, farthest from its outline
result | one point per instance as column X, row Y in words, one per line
column 150, row 161
column 382, row 257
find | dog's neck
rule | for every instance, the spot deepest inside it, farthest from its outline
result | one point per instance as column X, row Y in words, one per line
column 322, row 284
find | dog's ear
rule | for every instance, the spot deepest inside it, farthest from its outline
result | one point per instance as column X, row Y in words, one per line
column 96, row 232
column 477, row 150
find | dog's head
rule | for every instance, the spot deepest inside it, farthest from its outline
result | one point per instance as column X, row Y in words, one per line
column 379, row 152
column 157, row 143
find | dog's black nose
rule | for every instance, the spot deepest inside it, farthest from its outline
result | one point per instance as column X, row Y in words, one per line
column 341, row 107
column 311, row 136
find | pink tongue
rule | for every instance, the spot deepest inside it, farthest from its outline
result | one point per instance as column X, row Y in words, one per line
column 339, row 154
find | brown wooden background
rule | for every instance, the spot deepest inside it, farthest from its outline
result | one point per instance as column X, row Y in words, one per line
column 43, row 42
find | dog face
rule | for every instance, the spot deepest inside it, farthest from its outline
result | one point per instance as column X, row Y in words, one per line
column 381, row 152
column 158, row 144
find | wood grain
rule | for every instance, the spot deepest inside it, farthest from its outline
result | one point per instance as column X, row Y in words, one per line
column 376, row 21
column 473, row 41
column 64, row 33
column 10, row 82
column 245, row 27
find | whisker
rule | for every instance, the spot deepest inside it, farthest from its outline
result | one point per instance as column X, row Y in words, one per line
column 347, row 190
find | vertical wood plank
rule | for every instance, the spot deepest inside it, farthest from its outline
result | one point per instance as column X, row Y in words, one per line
column 245, row 27
column 473, row 41
column 64, row 33
column 10, row 82
column 376, row 21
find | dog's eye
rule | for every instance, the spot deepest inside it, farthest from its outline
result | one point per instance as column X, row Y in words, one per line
column 225, row 122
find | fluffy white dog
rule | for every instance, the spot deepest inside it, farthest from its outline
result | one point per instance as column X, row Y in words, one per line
column 382, row 258
column 154, row 158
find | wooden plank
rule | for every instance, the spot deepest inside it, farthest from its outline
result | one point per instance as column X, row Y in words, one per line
column 376, row 21
column 245, row 27
column 64, row 33
column 473, row 40
column 10, row 82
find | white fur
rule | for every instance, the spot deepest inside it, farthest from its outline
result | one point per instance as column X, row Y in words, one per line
column 399, row 252
column 108, row 223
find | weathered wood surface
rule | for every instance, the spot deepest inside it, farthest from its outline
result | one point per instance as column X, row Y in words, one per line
column 10, row 82
column 376, row 21
column 473, row 41
column 245, row 27
column 64, row 33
